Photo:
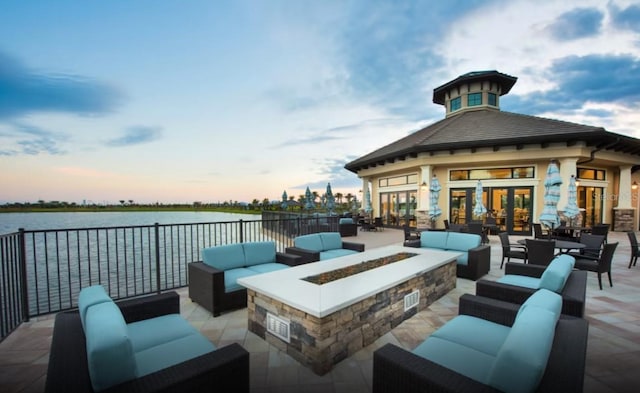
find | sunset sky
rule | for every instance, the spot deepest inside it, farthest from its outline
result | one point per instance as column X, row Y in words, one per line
column 199, row 100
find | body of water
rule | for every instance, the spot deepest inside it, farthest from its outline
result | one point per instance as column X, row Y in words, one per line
column 11, row 222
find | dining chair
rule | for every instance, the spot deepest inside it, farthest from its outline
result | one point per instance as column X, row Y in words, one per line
column 476, row 228
column 540, row 252
column 635, row 249
column 593, row 246
column 510, row 250
column 601, row 265
column 446, row 224
column 538, row 233
column 600, row 229
column 378, row 224
column 409, row 234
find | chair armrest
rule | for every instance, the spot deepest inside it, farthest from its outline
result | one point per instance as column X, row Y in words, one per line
column 493, row 310
column 398, row 370
column 503, row 292
column 353, row 246
column 305, row 255
column 147, row 307
column 522, row 269
column 288, row 259
column 412, row 243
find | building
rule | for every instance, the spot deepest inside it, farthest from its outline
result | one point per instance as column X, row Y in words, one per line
column 509, row 153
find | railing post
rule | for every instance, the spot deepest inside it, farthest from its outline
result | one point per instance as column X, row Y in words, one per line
column 241, row 231
column 157, row 233
column 23, row 276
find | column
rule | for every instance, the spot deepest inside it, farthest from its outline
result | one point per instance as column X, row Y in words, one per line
column 624, row 214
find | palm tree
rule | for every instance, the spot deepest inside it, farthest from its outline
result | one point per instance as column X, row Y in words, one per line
column 339, row 197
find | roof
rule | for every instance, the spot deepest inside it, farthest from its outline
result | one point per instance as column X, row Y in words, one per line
column 491, row 128
column 505, row 81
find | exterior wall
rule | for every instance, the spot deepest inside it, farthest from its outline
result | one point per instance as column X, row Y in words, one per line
column 476, row 87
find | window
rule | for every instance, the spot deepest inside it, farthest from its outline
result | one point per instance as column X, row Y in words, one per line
column 492, row 99
column 398, row 180
column 591, row 174
column 474, row 99
column 455, row 104
column 492, row 173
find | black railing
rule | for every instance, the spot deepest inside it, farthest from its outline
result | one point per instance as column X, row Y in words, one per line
column 44, row 270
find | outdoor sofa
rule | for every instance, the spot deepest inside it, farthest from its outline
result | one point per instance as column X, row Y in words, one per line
column 475, row 259
column 138, row 345
column 213, row 281
column 491, row 346
column 322, row 246
column 522, row 280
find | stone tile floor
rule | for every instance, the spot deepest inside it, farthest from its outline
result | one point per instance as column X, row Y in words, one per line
column 613, row 355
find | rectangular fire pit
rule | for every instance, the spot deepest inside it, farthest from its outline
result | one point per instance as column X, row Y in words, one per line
column 319, row 325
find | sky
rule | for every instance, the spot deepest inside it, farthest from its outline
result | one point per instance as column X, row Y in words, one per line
column 177, row 101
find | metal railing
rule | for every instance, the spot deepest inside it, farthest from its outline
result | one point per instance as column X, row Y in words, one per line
column 43, row 271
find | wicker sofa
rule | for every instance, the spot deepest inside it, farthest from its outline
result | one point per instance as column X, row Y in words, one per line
column 213, row 281
column 522, row 280
column 473, row 363
column 154, row 330
column 475, row 260
column 322, row 246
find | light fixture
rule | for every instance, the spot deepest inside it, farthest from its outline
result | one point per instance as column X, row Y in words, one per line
column 577, row 182
column 423, row 185
column 634, row 186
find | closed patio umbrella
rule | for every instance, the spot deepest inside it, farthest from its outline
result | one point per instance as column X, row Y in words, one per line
column 367, row 201
column 308, row 204
column 572, row 210
column 285, row 201
column 552, row 182
column 434, row 210
column 331, row 200
column 479, row 208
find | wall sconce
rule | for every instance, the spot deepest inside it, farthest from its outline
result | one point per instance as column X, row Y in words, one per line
column 634, row 186
column 577, row 182
column 423, row 186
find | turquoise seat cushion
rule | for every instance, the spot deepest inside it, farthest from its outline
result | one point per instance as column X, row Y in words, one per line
column 459, row 358
column 331, row 240
column 311, row 242
column 256, row 253
column 520, row 281
column 171, row 353
column 476, row 333
column 224, row 257
column 345, row 220
column 434, row 239
column 231, row 277
column 110, row 355
column 324, row 255
column 267, row 267
column 462, row 241
column 522, row 360
column 90, row 296
column 544, row 298
column 159, row 330
column 556, row 274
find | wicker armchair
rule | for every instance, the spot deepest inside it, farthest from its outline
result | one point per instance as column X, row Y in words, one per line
column 225, row 369
column 398, row 370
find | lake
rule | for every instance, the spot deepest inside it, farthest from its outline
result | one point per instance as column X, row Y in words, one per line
column 11, row 222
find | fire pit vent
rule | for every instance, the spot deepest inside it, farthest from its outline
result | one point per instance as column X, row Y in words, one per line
column 411, row 300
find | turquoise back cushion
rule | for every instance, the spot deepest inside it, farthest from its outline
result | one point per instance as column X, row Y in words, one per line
column 309, row 242
column 256, row 253
column 109, row 351
column 434, row 239
column 331, row 240
column 90, row 296
column 556, row 274
column 521, row 362
column 463, row 241
column 346, row 220
column 226, row 257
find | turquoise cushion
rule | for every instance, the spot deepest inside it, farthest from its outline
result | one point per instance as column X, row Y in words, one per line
column 256, row 253
column 224, row 257
column 520, row 281
column 459, row 358
column 556, row 274
column 346, row 221
column 171, row 353
column 486, row 336
column 159, row 330
column 110, row 354
column 324, row 255
column 231, row 277
column 268, row 267
column 462, row 241
column 309, row 242
column 521, row 362
column 331, row 241
column 434, row 239
column 90, row 296
column 546, row 299
column 566, row 259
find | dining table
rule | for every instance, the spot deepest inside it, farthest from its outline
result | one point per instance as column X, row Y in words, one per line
column 564, row 246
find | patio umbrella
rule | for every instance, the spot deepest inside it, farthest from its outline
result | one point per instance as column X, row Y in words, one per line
column 434, row 209
column 367, row 201
column 479, row 208
column 285, row 201
column 331, row 200
column 572, row 210
column 549, row 216
column 308, row 204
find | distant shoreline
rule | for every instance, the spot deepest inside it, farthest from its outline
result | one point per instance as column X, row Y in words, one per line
column 125, row 209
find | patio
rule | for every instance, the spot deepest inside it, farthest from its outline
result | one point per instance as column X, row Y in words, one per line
column 613, row 355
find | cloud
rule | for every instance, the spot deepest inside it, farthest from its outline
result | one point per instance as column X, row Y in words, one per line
column 136, row 136
column 26, row 91
column 22, row 139
column 576, row 24
column 625, row 19
column 582, row 79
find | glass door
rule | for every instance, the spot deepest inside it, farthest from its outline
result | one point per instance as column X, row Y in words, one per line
column 591, row 199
